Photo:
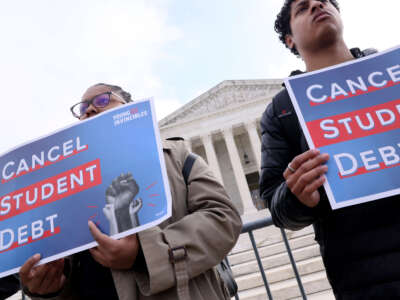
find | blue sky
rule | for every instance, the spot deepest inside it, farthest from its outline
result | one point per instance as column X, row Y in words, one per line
column 221, row 40
column 173, row 50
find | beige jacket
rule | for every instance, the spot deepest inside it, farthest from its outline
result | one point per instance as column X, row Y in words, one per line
column 204, row 221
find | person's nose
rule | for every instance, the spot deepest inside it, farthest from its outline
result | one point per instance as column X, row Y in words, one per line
column 90, row 112
column 316, row 5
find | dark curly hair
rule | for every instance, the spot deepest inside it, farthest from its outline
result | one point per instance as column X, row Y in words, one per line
column 118, row 90
column 282, row 22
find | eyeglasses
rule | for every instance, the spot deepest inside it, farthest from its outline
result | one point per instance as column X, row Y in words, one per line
column 100, row 101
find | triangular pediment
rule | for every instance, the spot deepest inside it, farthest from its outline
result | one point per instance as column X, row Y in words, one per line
column 226, row 94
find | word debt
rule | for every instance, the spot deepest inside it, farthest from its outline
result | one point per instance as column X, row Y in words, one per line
column 51, row 189
column 356, row 124
column 319, row 93
column 15, row 168
column 25, row 234
column 369, row 161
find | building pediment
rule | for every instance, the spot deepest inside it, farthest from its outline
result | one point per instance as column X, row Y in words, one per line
column 227, row 94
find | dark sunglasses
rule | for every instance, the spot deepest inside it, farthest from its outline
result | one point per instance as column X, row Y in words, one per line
column 100, row 101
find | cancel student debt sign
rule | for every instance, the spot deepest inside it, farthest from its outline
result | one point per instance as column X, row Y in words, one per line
column 109, row 169
column 352, row 112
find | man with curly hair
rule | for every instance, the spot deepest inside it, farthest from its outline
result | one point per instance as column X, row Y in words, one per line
column 358, row 244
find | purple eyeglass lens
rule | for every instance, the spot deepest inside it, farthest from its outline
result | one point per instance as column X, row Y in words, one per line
column 101, row 100
column 83, row 107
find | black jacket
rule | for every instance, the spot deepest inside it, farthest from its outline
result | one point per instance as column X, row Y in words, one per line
column 8, row 286
column 360, row 245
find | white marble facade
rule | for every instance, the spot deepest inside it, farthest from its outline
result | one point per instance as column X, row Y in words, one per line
column 222, row 126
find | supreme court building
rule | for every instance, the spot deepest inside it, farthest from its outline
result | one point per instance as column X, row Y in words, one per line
column 222, row 126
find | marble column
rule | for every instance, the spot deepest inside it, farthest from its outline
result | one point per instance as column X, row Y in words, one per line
column 211, row 156
column 255, row 142
column 238, row 171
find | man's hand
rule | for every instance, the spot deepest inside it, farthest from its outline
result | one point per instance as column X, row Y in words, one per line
column 115, row 254
column 44, row 279
column 305, row 175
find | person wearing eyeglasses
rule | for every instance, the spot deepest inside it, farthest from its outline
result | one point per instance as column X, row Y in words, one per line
column 101, row 101
column 174, row 260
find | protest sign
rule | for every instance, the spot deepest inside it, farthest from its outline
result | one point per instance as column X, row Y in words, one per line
column 109, row 169
column 352, row 112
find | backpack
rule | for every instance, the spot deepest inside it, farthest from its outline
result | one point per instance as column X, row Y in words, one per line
column 223, row 267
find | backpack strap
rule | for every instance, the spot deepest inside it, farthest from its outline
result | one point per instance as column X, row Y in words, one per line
column 187, row 166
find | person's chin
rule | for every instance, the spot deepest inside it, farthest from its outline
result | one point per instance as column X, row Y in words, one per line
column 328, row 31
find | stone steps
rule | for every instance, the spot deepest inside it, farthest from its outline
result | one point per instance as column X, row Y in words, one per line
column 17, row 296
column 265, row 237
column 288, row 289
column 272, row 249
column 271, row 258
column 325, row 295
column 279, row 274
column 277, row 266
column 276, row 260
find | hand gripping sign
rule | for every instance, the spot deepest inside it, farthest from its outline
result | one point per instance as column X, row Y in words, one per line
column 109, row 169
column 352, row 112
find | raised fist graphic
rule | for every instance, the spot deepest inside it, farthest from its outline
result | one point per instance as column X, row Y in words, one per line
column 121, row 206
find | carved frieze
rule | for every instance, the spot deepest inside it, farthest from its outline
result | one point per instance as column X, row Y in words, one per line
column 223, row 96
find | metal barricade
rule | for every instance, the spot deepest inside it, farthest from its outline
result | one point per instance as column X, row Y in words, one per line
column 249, row 228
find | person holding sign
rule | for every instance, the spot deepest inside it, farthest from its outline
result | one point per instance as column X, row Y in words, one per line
column 359, row 244
column 174, row 260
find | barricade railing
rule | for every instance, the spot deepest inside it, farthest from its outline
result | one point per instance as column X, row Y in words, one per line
column 262, row 223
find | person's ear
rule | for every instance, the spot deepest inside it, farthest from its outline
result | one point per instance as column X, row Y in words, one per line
column 289, row 41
